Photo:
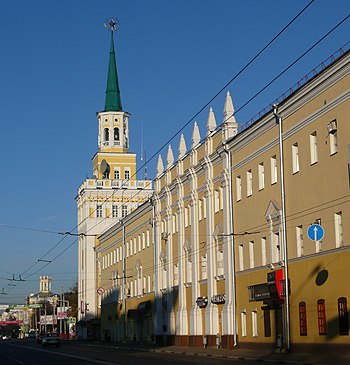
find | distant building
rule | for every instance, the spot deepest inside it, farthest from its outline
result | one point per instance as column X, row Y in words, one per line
column 42, row 306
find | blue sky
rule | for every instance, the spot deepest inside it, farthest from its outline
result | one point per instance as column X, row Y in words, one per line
column 172, row 58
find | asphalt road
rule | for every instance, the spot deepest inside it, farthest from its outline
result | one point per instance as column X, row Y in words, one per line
column 28, row 352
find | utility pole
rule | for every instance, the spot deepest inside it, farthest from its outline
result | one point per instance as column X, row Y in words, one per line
column 284, row 230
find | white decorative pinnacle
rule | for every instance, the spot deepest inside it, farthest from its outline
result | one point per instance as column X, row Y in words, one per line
column 169, row 157
column 211, row 123
column 182, row 146
column 196, row 137
column 229, row 109
column 160, row 166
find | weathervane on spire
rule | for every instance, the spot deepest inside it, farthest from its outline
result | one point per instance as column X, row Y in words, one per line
column 111, row 24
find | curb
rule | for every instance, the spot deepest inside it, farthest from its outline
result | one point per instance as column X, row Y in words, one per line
column 201, row 354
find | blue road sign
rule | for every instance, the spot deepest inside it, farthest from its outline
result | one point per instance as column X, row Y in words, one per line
column 315, row 232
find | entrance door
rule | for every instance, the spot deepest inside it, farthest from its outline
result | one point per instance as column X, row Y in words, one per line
column 279, row 325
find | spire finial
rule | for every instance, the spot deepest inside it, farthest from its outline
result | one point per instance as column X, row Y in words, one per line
column 113, row 99
column 111, row 24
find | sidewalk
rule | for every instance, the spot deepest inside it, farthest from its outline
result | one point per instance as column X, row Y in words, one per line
column 258, row 355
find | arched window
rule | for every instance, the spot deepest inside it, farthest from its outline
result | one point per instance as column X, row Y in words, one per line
column 343, row 317
column 106, row 135
column 322, row 320
column 302, row 319
column 116, row 135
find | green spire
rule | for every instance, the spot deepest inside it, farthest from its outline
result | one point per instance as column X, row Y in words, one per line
column 113, row 100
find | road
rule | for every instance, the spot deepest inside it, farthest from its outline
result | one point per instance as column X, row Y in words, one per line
column 28, row 352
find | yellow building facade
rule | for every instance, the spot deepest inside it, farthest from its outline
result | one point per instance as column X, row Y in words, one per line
column 204, row 260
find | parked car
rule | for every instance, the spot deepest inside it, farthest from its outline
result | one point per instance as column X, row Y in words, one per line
column 51, row 339
column 40, row 337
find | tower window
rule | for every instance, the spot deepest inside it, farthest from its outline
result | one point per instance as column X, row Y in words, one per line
column 106, row 136
column 99, row 211
column 116, row 136
column 126, row 174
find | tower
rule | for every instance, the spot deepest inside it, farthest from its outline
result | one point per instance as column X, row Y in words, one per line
column 110, row 194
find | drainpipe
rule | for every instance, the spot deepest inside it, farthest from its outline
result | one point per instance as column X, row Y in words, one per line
column 284, row 229
column 231, row 235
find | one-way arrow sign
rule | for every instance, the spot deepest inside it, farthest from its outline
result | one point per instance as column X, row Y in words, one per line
column 315, row 232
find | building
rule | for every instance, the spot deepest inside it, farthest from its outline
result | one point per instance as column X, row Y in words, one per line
column 42, row 307
column 229, row 218
column 111, row 193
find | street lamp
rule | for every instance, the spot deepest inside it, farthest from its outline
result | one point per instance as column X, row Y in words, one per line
column 284, row 228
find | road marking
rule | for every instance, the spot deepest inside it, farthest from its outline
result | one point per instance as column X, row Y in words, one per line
column 84, row 358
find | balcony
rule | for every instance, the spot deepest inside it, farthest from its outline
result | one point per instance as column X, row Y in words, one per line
column 107, row 184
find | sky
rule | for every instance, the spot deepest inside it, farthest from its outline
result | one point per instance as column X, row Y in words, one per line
column 173, row 57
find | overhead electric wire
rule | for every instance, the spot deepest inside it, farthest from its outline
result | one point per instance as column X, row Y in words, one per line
column 196, row 114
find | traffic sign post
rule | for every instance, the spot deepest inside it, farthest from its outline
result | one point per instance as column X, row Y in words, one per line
column 315, row 232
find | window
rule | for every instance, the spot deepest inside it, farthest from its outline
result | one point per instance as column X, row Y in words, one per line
column 176, row 274
column 273, row 163
column 149, row 283
column 135, row 245
column 143, row 240
column 117, row 174
column 188, row 268
column 139, row 241
column 261, row 173
column 300, row 240
column 275, row 247
column 244, row 322
column 322, row 320
column 126, row 174
column 241, row 257
column 333, row 143
column 106, row 136
column 238, row 188
column 115, row 211
column 99, row 211
column 216, row 200
column 343, row 317
column 204, row 208
column 204, row 267
column 219, row 256
column 313, row 148
column 267, row 321
column 302, row 319
column 127, row 249
column 116, row 135
column 263, row 251
column 131, row 246
column 249, row 183
column 187, row 209
column 147, row 238
column 295, row 158
column 251, row 254
column 124, row 210
column 333, row 137
column 254, row 323
column 338, row 228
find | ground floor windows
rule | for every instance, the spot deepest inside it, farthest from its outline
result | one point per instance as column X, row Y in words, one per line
column 322, row 320
column 302, row 319
column 343, row 317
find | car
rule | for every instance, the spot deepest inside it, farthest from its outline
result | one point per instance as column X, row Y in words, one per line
column 5, row 336
column 40, row 337
column 51, row 339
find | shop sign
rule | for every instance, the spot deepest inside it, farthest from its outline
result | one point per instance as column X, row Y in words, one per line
column 218, row 299
column 202, row 302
